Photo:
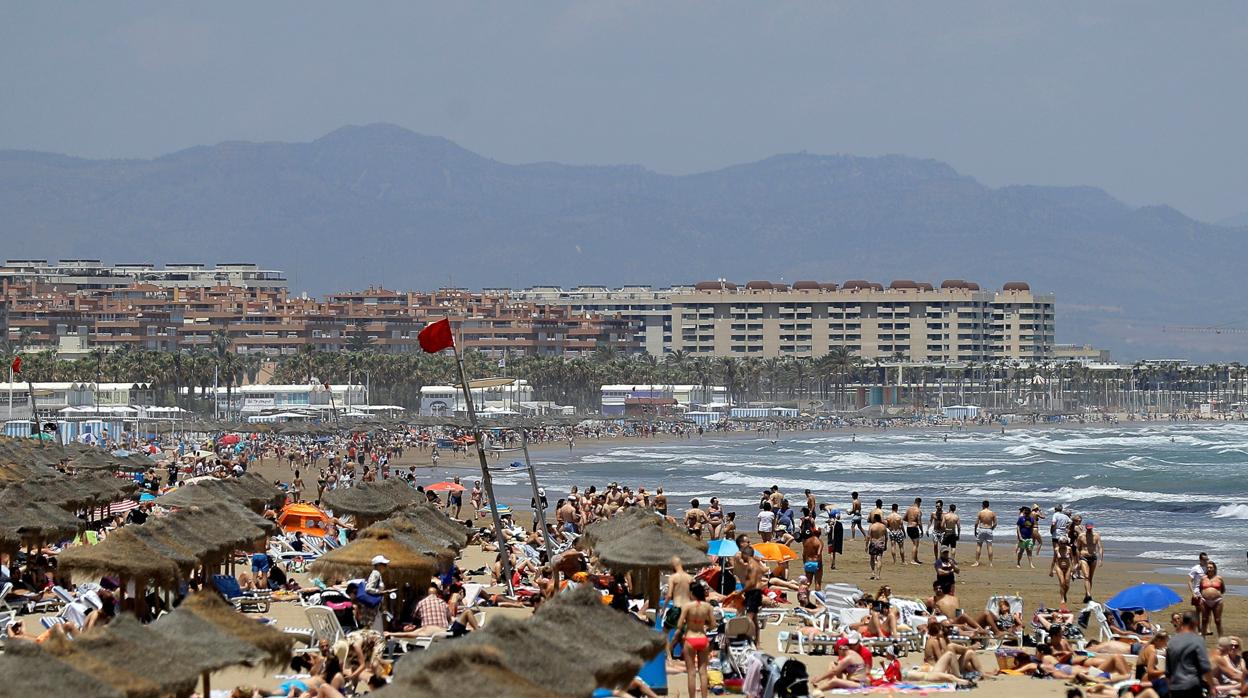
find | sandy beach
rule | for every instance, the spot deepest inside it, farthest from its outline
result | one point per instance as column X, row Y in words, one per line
column 975, row 585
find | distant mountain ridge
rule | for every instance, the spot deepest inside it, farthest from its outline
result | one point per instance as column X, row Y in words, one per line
column 380, row 204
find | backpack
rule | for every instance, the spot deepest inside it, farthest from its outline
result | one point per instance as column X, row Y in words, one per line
column 792, row 682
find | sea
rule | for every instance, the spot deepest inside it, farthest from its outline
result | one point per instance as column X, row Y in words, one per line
column 1160, row 493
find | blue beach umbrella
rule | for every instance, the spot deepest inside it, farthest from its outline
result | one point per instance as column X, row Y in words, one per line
column 722, row 547
column 1150, row 597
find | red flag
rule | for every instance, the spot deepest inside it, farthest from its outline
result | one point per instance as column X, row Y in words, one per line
column 17, row 364
column 436, row 336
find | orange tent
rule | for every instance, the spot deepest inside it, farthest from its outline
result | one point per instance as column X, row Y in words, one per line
column 303, row 518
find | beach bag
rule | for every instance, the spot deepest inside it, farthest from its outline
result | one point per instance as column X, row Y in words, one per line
column 793, row 681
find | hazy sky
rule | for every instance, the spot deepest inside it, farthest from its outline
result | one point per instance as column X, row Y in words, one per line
column 1148, row 100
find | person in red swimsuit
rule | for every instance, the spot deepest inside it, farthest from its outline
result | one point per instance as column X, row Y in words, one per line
column 695, row 618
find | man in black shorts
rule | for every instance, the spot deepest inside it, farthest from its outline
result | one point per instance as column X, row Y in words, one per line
column 753, row 583
column 952, row 530
column 914, row 527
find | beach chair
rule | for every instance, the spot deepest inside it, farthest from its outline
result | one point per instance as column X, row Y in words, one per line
column 1016, row 606
column 5, row 590
column 324, row 625
column 737, row 644
column 228, row 587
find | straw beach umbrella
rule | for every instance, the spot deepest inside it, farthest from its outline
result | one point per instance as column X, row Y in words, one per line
column 444, row 675
column 125, row 554
column 355, row 559
column 437, row 524
column 573, row 645
column 647, row 549
column 33, row 671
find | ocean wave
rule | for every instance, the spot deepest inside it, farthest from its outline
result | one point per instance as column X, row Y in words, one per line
column 1231, row 511
column 994, row 471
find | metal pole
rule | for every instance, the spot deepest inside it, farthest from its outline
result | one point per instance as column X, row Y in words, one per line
column 539, row 509
column 504, row 553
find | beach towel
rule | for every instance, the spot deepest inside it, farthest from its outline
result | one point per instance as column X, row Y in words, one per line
column 908, row 688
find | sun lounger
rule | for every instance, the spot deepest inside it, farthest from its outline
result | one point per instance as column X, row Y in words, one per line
column 1016, row 607
column 230, row 590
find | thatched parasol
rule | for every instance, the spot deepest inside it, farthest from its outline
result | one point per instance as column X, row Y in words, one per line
column 573, row 645
column 29, row 670
column 32, row 523
column 415, row 537
column 436, row 524
column 370, row 501
column 648, row 547
column 151, row 658
column 355, row 559
column 445, row 674
column 123, row 553
column 207, row 607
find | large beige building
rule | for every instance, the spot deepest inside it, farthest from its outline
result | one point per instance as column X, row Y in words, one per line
column 955, row 322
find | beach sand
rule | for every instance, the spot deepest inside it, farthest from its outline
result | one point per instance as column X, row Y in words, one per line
column 975, row 584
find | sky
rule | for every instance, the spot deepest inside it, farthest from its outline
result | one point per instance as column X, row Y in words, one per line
column 1144, row 99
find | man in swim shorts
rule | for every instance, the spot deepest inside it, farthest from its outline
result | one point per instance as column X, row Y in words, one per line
column 914, row 527
column 1023, row 528
column 855, row 516
column 896, row 535
column 953, row 531
column 812, row 557
column 985, row 525
column 877, row 545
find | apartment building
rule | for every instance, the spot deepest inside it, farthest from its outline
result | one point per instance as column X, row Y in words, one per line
column 957, row 321
column 274, row 323
column 88, row 274
column 914, row 321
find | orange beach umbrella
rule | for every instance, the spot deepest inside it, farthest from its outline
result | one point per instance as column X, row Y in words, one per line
column 774, row 552
column 303, row 518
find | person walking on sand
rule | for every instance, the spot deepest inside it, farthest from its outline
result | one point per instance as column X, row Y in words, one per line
column 1059, row 532
column 1090, row 551
column 1023, row 529
column 953, row 531
column 1188, row 669
column 896, row 535
column 836, row 534
column 985, row 526
column 877, row 544
column 936, row 527
column 914, row 527
column 855, row 516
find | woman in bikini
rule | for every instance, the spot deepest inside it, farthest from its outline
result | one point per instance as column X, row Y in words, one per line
column 1211, row 590
column 1062, row 568
column 695, row 618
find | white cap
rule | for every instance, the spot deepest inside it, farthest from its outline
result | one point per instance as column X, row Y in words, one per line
column 853, row 637
column 380, row 560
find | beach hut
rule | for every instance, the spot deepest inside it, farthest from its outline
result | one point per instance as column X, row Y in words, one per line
column 303, row 518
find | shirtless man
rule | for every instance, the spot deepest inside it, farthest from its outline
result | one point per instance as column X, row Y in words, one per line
column 985, row 525
column 812, row 557
column 678, row 596
column 877, row 511
column 896, row 534
column 952, row 525
column 810, row 502
column 695, row 520
column 776, row 498
column 877, row 544
column 753, row 583
column 660, row 501
column 936, row 526
column 565, row 517
column 914, row 527
column 855, row 516
column 1090, row 551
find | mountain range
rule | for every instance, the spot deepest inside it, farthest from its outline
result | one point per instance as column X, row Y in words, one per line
column 379, row 204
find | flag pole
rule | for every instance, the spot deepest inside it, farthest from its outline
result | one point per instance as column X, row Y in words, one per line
column 504, row 554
